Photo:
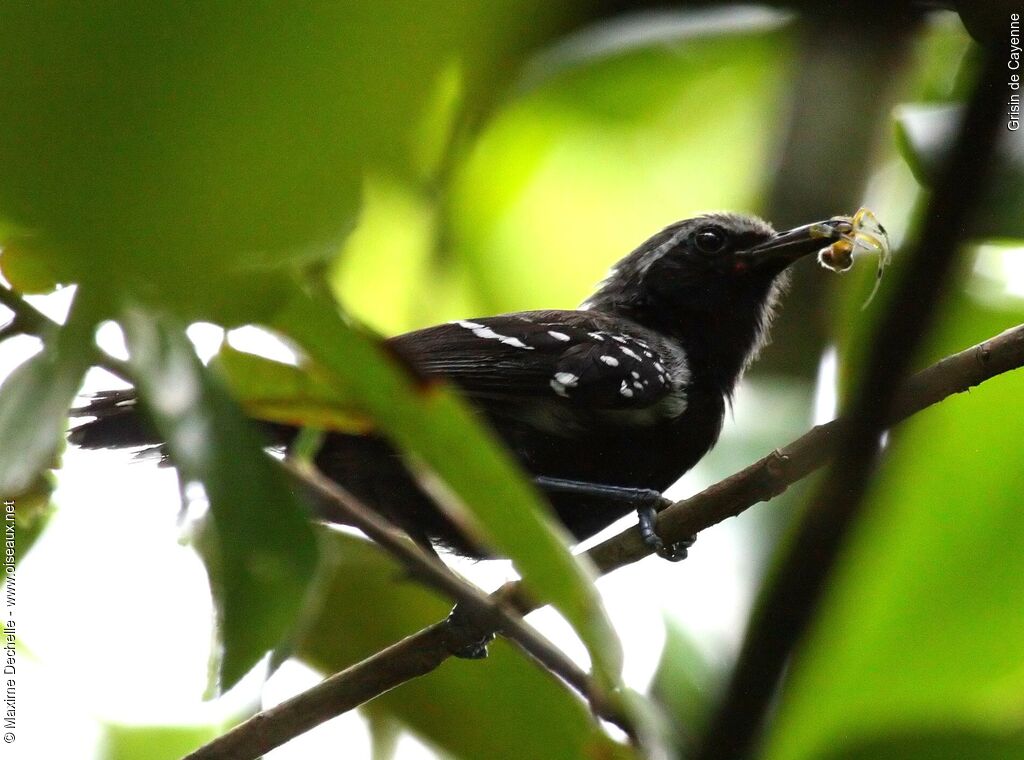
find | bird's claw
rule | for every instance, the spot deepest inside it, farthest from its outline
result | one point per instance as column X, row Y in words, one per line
column 460, row 622
column 674, row 552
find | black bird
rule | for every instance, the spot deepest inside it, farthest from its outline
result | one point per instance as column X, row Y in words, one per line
column 605, row 406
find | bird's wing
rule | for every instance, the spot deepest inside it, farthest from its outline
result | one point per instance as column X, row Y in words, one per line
column 576, row 356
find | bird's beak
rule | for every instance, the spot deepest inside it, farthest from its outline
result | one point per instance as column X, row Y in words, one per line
column 783, row 248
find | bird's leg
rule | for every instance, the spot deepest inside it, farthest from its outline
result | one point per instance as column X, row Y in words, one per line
column 646, row 501
column 460, row 620
column 675, row 552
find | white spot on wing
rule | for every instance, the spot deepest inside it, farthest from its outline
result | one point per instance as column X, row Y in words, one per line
column 611, row 361
column 558, row 335
column 562, row 381
column 630, row 353
column 625, row 390
column 485, row 332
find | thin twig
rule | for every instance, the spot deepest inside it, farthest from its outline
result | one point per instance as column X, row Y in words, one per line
column 794, row 593
column 424, row 651
column 486, row 613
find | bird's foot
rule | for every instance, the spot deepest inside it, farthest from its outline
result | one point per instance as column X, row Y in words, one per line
column 465, row 627
column 674, row 552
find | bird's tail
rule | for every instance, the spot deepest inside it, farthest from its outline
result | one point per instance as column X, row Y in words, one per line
column 118, row 422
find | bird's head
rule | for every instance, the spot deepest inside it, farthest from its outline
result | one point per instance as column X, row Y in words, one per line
column 711, row 281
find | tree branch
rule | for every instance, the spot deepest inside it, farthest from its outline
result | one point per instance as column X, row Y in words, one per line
column 424, row 651
column 486, row 613
column 793, row 595
column 28, row 320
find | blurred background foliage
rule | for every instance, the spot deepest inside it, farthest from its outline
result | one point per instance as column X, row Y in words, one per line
column 202, row 162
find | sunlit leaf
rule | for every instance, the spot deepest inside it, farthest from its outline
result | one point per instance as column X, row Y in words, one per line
column 259, row 548
column 620, row 135
column 128, row 742
column 219, row 138
column 277, row 392
column 934, row 744
column 501, row 708
column 430, row 421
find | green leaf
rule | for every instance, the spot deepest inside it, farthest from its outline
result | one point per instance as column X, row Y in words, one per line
column 684, row 687
column 260, row 549
column 924, row 623
column 278, row 392
column 221, row 137
column 432, row 423
column 925, row 134
column 34, row 400
column 536, row 218
column 32, row 510
column 501, row 708
column 128, row 742
column 934, row 744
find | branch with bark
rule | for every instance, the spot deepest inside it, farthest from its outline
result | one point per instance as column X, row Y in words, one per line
column 424, row 651
column 794, row 594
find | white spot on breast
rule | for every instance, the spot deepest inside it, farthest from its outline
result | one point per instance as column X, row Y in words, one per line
column 648, row 354
column 630, row 353
column 558, row 335
column 635, row 374
column 486, row 333
column 625, row 390
column 658, row 366
column 611, row 361
column 638, row 385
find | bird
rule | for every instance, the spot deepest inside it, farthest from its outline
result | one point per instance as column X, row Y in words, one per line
column 604, row 406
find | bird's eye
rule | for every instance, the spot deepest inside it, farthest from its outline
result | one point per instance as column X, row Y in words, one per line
column 710, row 240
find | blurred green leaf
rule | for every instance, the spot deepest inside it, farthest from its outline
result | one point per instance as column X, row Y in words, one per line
column 385, row 732
column 925, row 134
column 429, row 421
column 277, row 392
column 259, row 548
column 683, row 687
column 35, row 397
column 154, row 147
column 128, row 742
column 934, row 744
column 620, row 135
column 924, row 624
column 504, row 707
column 32, row 512
column 28, row 269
